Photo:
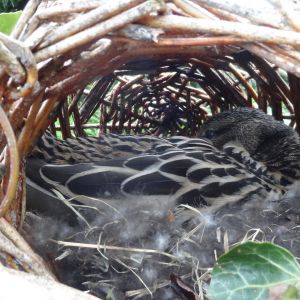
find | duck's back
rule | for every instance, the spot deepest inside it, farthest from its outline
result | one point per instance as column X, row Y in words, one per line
column 179, row 170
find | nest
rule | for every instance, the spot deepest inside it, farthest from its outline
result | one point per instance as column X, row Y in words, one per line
column 156, row 67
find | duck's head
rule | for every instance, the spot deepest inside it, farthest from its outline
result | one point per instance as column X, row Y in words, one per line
column 261, row 135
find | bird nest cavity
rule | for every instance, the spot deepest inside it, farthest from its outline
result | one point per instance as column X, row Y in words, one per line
column 137, row 67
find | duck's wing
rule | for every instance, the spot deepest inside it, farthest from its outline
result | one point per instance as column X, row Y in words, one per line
column 104, row 147
column 190, row 171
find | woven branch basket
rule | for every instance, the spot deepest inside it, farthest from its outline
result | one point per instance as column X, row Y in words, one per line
column 138, row 67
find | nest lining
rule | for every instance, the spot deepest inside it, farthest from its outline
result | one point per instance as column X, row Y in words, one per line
column 131, row 251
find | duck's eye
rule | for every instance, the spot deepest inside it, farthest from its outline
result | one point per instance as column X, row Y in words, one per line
column 209, row 134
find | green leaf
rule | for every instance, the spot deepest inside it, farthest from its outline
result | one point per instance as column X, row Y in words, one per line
column 8, row 21
column 250, row 269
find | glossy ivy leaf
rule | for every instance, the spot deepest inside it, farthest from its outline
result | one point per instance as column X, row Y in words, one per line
column 8, row 21
column 248, row 271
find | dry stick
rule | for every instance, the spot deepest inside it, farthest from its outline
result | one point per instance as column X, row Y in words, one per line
column 289, row 12
column 262, row 12
column 27, row 13
column 43, row 118
column 53, row 67
column 113, row 113
column 19, row 205
column 67, row 8
column 242, row 80
column 26, row 58
column 81, row 65
column 53, row 129
column 283, row 50
column 122, row 80
column 18, row 114
column 55, row 70
column 225, row 15
column 137, row 49
column 78, row 80
column 194, row 10
column 149, row 50
column 32, row 26
column 64, row 120
column 92, row 100
column 290, row 65
column 215, row 99
column 269, row 72
column 39, row 287
column 24, row 140
column 199, row 93
column 107, row 10
column 131, row 82
column 2, row 74
column 77, row 123
column 14, row 163
column 9, row 248
column 294, row 83
column 99, row 30
column 57, row 63
column 34, row 23
column 10, row 64
column 103, row 119
column 37, row 36
column 221, row 13
column 75, row 100
column 281, row 82
column 14, row 236
column 221, row 84
column 113, row 100
column 252, row 33
column 199, row 98
column 15, row 212
column 200, row 41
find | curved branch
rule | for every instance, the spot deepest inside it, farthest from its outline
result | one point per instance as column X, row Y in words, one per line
column 14, row 164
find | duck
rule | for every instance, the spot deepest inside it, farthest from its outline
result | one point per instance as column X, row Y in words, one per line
column 236, row 154
column 173, row 196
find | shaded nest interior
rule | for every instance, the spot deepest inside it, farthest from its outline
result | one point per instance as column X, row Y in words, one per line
column 175, row 96
column 145, row 67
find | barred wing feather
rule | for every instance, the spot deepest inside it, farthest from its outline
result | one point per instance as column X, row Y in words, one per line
column 182, row 170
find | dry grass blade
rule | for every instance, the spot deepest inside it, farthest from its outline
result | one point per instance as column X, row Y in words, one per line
column 115, row 248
